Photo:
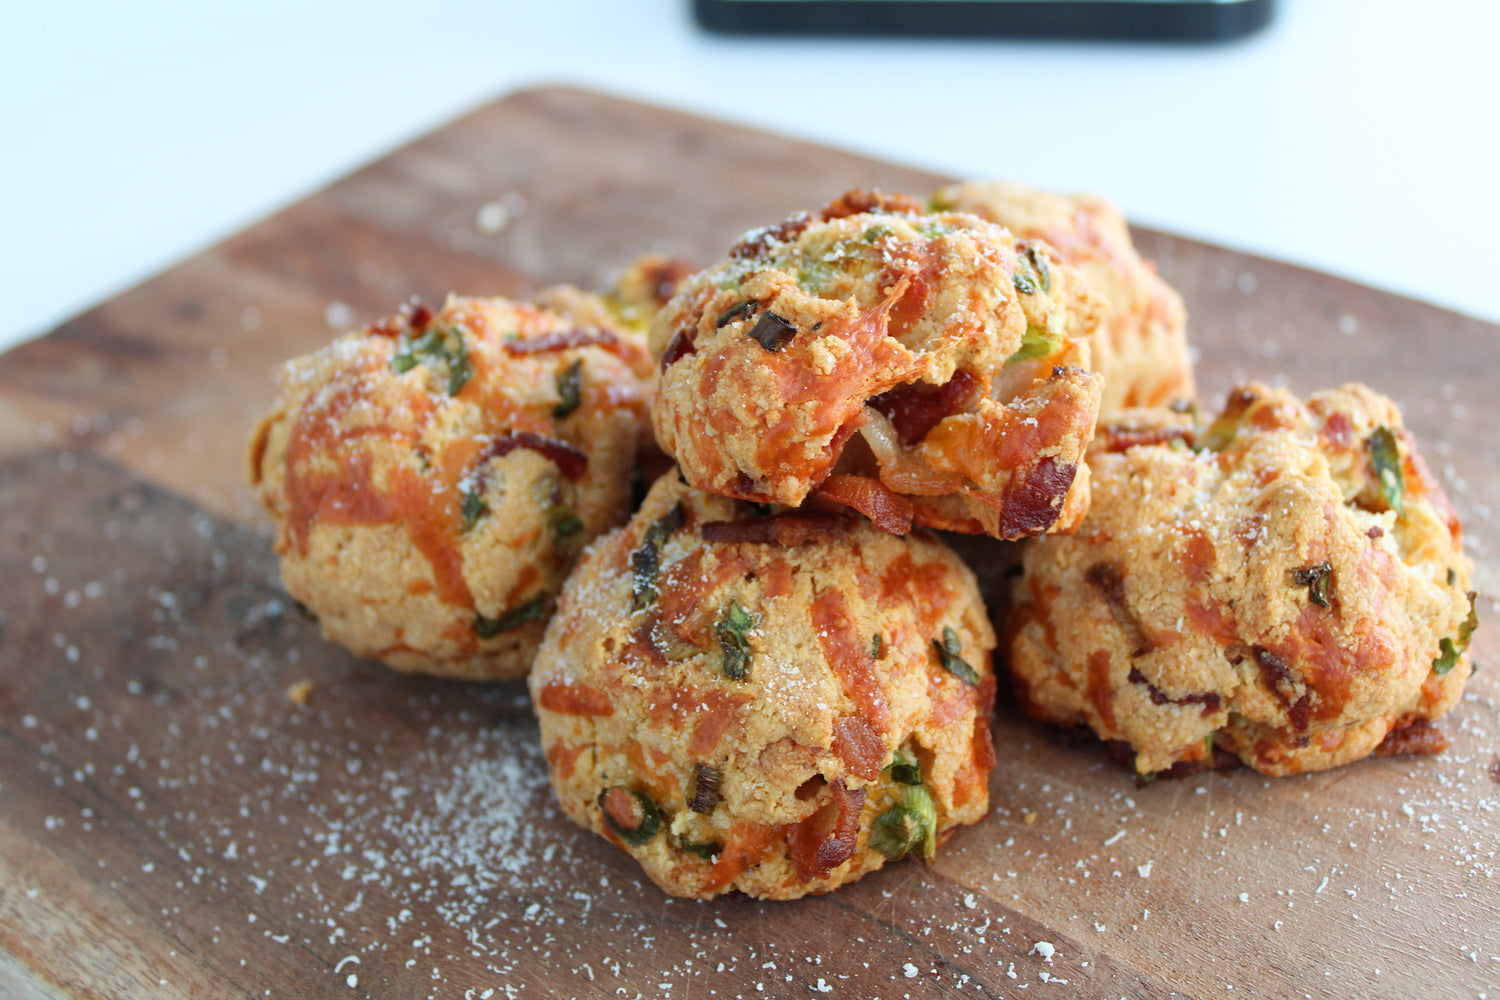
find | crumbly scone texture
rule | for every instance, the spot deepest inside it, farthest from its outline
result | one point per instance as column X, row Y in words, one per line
column 433, row 478
column 1141, row 347
column 919, row 368
column 1287, row 585
column 756, row 701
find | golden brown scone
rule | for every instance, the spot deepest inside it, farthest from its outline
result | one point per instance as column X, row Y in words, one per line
column 769, row 703
column 433, row 478
column 1293, row 592
column 1141, row 348
column 925, row 369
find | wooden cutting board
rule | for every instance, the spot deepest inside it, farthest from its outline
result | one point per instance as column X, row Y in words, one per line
column 173, row 825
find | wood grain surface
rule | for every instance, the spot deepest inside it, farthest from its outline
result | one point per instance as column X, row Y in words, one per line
column 173, row 825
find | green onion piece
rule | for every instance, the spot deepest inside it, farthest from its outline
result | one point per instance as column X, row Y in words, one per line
column 948, row 655
column 772, row 332
column 1032, row 272
column 569, row 389
column 306, row 612
column 445, row 350
column 873, row 233
column 534, row 610
column 877, row 646
column 734, row 312
column 733, row 641
column 1318, row 580
column 905, row 768
column 708, row 851
column 1452, row 576
column 632, row 816
column 563, row 522
column 1036, row 342
column 472, row 507
column 645, row 561
column 1449, row 650
column 910, row 826
column 1220, row 433
column 1386, row 457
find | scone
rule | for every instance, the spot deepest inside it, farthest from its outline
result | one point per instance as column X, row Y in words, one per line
column 1141, row 348
column 923, row 369
column 775, row 703
column 433, row 478
column 1286, row 586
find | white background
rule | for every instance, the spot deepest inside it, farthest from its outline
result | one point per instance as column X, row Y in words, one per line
column 1354, row 136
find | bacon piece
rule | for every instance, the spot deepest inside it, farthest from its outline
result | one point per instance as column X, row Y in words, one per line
column 1414, row 736
column 916, row 408
column 1034, row 498
column 679, row 347
column 787, row 530
column 887, row 510
column 563, row 340
column 1110, row 583
column 1115, row 438
column 570, row 460
column 1210, row 700
column 827, row 838
column 858, row 201
column 1278, row 678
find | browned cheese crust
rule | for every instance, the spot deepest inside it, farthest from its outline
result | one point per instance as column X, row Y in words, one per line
column 769, row 703
column 1286, row 586
column 921, row 369
column 1141, row 348
column 433, row 478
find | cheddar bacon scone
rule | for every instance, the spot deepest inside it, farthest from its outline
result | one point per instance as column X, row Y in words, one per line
column 1141, row 347
column 433, row 478
column 1286, row 586
column 923, row 369
column 775, row 703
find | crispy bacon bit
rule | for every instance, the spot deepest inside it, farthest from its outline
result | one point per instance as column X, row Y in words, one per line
column 1416, row 736
column 858, row 201
column 1034, row 498
column 788, row 530
column 663, row 275
column 679, row 347
column 1210, row 700
column 1278, row 678
column 1108, row 581
column 1122, row 437
column 420, row 315
column 575, row 699
column 563, row 340
column 887, row 510
column 706, row 781
column 827, row 838
column 916, row 408
column 758, row 241
column 569, row 459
